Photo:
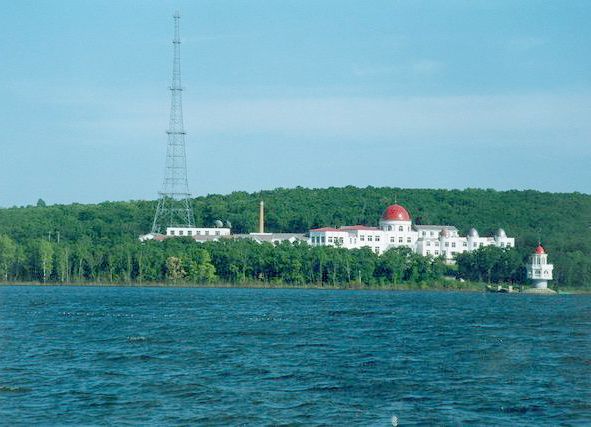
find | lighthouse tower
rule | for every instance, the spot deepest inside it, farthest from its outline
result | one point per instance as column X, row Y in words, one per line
column 538, row 269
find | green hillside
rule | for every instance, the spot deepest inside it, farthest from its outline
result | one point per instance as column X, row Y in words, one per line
column 91, row 235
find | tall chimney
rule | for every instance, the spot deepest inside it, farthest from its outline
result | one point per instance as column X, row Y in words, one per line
column 262, row 217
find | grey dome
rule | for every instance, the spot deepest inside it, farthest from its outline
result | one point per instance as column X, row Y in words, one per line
column 473, row 233
column 501, row 233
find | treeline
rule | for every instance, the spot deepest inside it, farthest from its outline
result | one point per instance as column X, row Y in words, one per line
column 99, row 242
column 240, row 261
column 229, row 260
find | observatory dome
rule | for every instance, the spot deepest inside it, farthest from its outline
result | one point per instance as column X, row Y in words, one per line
column 396, row 213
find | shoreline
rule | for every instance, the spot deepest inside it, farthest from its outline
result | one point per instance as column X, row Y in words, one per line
column 472, row 288
column 254, row 285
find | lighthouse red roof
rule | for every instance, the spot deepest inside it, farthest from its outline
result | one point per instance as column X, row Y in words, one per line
column 396, row 213
column 540, row 250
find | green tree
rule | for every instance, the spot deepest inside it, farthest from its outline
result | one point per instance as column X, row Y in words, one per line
column 7, row 255
column 45, row 257
column 199, row 268
column 174, row 269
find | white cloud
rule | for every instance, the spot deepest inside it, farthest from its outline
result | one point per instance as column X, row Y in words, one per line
column 94, row 112
column 434, row 117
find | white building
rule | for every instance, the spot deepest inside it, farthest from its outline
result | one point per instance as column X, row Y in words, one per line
column 194, row 231
column 538, row 269
column 396, row 230
column 205, row 234
column 197, row 233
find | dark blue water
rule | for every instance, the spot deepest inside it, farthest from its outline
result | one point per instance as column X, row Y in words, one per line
column 75, row 355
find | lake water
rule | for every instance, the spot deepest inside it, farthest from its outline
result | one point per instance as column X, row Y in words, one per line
column 76, row 355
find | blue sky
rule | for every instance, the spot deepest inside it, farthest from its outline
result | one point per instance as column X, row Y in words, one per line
column 433, row 94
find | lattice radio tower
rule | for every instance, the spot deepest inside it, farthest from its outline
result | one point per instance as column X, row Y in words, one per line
column 174, row 204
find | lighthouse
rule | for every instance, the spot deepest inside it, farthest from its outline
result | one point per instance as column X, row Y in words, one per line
column 538, row 269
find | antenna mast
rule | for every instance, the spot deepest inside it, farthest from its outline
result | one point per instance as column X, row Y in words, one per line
column 174, row 203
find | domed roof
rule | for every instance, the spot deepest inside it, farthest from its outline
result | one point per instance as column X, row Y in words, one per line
column 396, row 213
column 444, row 233
column 501, row 233
column 473, row 233
column 540, row 250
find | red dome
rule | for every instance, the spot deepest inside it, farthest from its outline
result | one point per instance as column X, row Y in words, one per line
column 396, row 213
column 540, row 250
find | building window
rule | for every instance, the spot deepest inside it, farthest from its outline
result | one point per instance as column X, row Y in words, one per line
column 453, row 244
column 436, row 252
column 400, row 240
column 172, row 232
column 424, row 233
column 217, row 233
column 389, row 228
column 377, row 250
column 190, row 232
column 436, row 243
column 431, row 233
column 428, row 252
column 391, row 239
column 207, row 232
column 408, row 240
column 428, row 243
column 465, row 244
column 377, row 238
column 330, row 240
column 401, row 228
column 361, row 238
column 181, row 232
column 322, row 239
column 447, row 244
column 481, row 244
column 369, row 238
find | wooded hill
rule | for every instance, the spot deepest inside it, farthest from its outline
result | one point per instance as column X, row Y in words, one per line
column 94, row 233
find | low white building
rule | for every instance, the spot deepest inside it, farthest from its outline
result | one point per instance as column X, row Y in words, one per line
column 396, row 230
column 196, row 233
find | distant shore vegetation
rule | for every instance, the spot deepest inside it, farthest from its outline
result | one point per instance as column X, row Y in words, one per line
column 99, row 243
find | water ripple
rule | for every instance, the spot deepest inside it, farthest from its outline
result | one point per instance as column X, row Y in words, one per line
column 284, row 357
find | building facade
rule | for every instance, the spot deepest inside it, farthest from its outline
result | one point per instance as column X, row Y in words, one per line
column 396, row 230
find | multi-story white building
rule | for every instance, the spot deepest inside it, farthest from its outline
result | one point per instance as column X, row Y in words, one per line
column 396, row 230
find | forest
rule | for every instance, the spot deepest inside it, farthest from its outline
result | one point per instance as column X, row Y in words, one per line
column 99, row 242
